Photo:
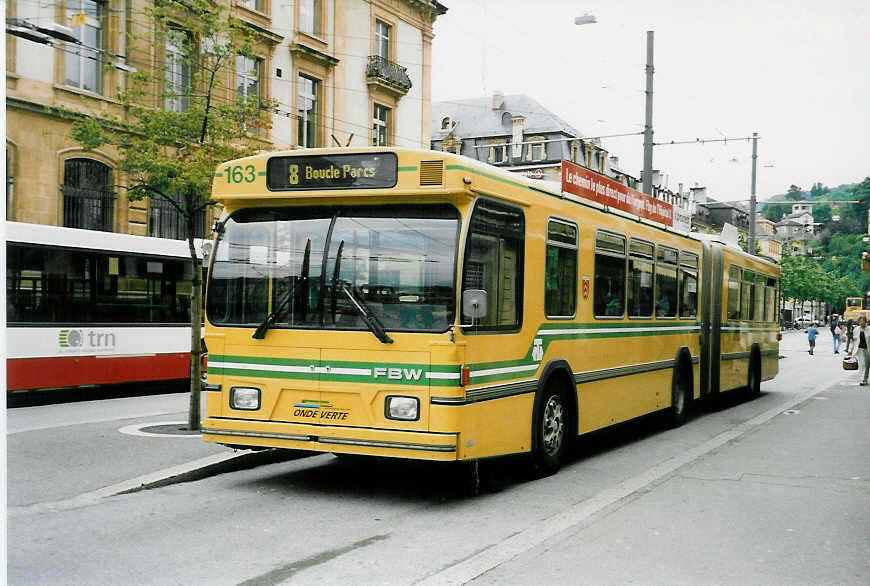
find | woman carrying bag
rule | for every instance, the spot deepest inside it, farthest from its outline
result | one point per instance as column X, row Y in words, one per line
column 860, row 347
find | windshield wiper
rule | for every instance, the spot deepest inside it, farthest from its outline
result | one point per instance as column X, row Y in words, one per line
column 260, row 332
column 370, row 319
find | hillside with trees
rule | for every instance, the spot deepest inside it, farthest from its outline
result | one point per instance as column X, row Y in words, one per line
column 832, row 271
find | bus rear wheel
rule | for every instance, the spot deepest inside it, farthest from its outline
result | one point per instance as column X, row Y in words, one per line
column 550, row 431
column 753, row 384
column 681, row 398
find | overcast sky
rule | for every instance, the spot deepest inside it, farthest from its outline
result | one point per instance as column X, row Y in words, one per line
column 796, row 72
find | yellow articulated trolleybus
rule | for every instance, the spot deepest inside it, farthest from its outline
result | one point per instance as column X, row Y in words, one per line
column 418, row 304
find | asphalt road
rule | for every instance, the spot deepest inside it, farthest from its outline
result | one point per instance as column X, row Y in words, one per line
column 773, row 491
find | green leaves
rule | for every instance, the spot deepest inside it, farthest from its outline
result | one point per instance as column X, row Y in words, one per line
column 169, row 153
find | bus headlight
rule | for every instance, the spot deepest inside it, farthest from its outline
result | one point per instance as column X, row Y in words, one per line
column 245, row 398
column 402, row 408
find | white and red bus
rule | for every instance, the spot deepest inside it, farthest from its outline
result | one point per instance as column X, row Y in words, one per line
column 87, row 308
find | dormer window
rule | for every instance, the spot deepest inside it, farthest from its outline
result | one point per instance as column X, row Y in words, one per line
column 497, row 152
column 446, row 123
column 537, row 151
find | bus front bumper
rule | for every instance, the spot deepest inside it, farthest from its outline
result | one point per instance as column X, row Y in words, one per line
column 325, row 438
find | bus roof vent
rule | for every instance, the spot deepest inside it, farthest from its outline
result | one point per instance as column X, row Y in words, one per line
column 431, row 172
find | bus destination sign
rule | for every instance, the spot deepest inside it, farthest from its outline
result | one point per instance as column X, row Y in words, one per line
column 350, row 171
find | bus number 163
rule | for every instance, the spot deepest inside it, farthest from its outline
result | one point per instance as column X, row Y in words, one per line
column 239, row 174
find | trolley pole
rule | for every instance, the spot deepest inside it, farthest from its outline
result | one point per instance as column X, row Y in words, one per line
column 751, row 243
column 646, row 176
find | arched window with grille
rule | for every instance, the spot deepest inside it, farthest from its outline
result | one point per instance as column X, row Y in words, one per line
column 164, row 221
column 88, row 197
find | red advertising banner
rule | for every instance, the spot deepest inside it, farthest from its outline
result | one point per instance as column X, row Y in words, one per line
column 590, row 185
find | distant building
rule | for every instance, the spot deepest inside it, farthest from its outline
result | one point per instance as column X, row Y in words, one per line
column 518, row 134
column 769, row 244
column 797, row 228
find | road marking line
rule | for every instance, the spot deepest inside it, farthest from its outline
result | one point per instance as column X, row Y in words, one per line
column 545, row 529
column 94, row 496
column 41, row 426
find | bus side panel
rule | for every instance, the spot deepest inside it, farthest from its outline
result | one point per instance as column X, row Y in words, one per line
column 75, row 371
column 496, row 427
column 607, row 402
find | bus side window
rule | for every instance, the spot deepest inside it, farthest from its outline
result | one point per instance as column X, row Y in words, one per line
column 666, row 282
column 688, row 284
column 560, row 273
column 609, row 275
column 640, row 279
column 733, row 292
column 494, row 263
column 747, row 296
column 758, row 312
column 770, row 300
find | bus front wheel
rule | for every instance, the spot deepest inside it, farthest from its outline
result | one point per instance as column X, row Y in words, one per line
column 550, row 432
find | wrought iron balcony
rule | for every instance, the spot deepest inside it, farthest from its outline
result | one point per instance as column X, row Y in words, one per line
column 391, row 76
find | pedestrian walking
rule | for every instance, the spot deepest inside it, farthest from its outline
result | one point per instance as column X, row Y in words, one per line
column 861, row 338
column 836, row 331
column 812, row 332
column 850, row 334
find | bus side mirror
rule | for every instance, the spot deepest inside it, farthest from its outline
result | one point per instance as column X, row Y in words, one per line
column 474, row 304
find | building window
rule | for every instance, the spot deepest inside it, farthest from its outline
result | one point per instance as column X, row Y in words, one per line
column 560, row 281
column 83, row 68
column 446, row 123
column 177, row 70
column 164, row 221
column 382, row 39
column 250, row 4
column 537, row 150
column 380, row 128
column 88, row 199
column 609, row 275
column 309, row 17
column 498, row 153
column 248, row 85
column 247, row 78
column 307, row 135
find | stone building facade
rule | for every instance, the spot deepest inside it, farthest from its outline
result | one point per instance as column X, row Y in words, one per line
column 334, row 72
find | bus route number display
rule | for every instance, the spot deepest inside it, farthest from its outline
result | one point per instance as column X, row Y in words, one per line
column 351, row 171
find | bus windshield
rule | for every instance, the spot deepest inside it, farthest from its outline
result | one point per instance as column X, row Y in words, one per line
column 311, row 267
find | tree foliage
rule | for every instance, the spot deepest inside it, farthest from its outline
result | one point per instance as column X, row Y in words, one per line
column 172, row 153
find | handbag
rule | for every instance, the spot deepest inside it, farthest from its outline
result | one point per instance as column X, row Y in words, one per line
column 850, row 363
column 843, row 338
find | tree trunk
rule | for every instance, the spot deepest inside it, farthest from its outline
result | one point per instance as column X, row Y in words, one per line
column 195, row 338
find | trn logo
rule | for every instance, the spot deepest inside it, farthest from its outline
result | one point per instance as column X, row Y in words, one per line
column 70, row 338
column 77, row 339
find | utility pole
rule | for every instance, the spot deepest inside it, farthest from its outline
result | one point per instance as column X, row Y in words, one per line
column 646, row 176
column 751, row 243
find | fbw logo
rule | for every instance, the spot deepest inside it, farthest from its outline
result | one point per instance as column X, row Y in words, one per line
column 70, row 338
